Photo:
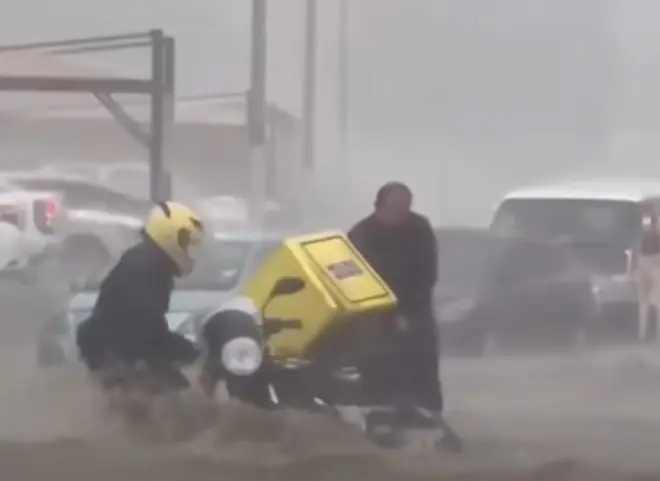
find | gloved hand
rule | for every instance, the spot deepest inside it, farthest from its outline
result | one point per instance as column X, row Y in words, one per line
column 176, row 349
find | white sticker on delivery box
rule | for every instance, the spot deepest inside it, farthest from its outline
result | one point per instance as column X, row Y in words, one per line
column 344, row 270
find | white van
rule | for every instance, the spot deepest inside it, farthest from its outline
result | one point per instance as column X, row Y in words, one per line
column 601, row 222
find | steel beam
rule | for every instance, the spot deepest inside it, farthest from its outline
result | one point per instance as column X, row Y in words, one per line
column 106, row 85
column 113, row 47
column 123, row 118
column 108, row 39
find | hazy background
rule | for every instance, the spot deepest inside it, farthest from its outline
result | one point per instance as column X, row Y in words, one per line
column 460, row 98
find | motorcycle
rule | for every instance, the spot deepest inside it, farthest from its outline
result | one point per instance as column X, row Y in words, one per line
column 352, row 363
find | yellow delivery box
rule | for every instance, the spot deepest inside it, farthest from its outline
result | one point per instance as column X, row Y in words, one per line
column 340, row 287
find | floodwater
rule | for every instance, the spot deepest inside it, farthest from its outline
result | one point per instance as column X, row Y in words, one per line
column 571, row 416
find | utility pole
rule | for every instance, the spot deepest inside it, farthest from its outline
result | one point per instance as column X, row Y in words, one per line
column 256, row 114
column 342, row 79
column 309, row 87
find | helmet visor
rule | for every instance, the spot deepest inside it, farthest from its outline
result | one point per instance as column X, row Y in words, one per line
column 189, row 244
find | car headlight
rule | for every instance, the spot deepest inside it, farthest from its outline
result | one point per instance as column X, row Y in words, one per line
column 241, row 356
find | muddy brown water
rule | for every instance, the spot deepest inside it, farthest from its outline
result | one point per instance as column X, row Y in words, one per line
column 547, row 418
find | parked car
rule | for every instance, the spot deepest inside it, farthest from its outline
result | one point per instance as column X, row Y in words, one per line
column 222, row 268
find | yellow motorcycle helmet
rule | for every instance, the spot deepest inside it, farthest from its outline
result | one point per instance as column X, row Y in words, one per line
column 177, row 230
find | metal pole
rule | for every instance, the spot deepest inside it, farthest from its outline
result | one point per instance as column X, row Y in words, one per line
column 342, row 80
column 256, row 117
column 169, row 106
column 309, row 87
column 156, row 166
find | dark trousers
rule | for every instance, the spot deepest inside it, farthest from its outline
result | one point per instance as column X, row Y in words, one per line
column 96, row 347
column 420, row 357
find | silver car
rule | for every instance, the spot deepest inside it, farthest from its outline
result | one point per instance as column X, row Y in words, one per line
column 228, row 261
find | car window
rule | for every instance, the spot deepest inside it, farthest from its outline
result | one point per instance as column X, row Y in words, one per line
column 76, row 316
column 12, row 215
column 261, row 254
column 571, row 220
column 176, row 319
column 81, row 194
column 187, row 328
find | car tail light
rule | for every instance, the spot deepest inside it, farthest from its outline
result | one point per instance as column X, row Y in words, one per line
column 45, row 213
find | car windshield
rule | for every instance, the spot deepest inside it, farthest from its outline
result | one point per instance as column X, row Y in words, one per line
column 219, row 266
column 571, row 220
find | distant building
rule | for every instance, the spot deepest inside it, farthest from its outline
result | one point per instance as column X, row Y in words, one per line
column 207, row 145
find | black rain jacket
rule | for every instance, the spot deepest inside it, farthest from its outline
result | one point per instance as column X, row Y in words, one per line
column 129, row 320
column 405, row 256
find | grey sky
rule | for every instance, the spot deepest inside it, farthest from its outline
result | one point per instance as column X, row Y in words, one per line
column 434, row 82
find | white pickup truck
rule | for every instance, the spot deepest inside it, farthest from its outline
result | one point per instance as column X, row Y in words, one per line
column 85, row 227
column 601, row 223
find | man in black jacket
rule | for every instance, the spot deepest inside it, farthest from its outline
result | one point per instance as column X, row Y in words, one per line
column 401, row 246
column 128, row 323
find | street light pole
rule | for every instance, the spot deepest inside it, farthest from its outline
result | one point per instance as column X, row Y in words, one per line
column 309, row 87
column 256, row 113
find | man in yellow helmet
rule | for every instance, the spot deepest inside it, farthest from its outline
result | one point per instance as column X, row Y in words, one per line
column 128, row 323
